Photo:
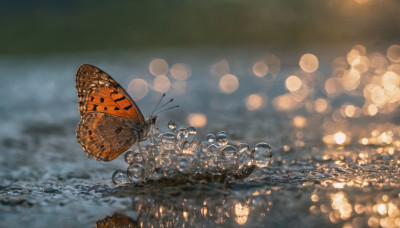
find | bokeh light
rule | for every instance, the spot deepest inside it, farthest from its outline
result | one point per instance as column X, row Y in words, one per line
column 197, row 119
column 309, row 63
column 228, row 83
column 321, row 105
column 220, row 68
column 161, row 83
column 260, row 68
column 299, row 121
column 293, row 83
column 138, row 88
column 255, row 101
column 340, row 138
column 180, row 71
column 158, row 67
column 351, row 79
column 393, row 53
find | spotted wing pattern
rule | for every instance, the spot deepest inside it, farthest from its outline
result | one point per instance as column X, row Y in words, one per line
column 110, row 118
column 99, row 92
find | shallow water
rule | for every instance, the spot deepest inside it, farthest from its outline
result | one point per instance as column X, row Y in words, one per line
column 330, row 167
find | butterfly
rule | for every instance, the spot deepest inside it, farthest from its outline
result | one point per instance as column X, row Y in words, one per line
column 111, row 122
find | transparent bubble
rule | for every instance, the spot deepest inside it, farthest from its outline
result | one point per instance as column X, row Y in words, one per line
column 168, row 141
column 135, row 172
column 129, row 156
column 133, row 156
column 262, row 153
column 230, row 155
column 222, row 138
column 245, row 167
column 195, row 144
column 212, row 150
column 172, row 125
column 229, row 152
column 120, row 177
column 244, row 161
column 186, row 147
column 181, row 134
column 184, row 164
column 243, row 148
column 191, row 130
column 211, row 138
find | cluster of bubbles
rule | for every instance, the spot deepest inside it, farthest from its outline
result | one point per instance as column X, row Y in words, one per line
column 180, row 155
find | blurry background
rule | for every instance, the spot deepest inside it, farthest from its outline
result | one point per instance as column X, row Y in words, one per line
column 319, row 80
column 46, row 26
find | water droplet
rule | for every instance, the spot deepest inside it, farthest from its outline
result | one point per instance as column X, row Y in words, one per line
column 186, row 148
column 191, row 130
column 120, row 177
column 211, row 138
column 229, row 152
column 184, row 164
column 195, row 144
column 230, row 155
column 243, row 148
column 168, row 141
column 245, row 167
column 262, row 154
column 222, row 138
column 133, row 156
column 181, row 134
column 172, row 125
column 135, row 172
column 212, row 150
column 244, row 161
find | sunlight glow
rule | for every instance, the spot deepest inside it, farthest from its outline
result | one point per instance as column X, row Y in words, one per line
column 197, row 119
column 340, row 138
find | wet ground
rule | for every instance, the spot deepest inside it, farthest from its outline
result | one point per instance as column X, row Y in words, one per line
column 332, row 126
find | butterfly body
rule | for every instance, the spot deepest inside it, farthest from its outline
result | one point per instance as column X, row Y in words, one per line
column 111, row 122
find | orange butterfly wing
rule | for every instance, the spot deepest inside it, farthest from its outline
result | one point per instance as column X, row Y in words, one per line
column 99, row 92
column 104, row 136
column 109, row 115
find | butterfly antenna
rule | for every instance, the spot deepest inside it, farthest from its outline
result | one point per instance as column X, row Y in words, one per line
column 177, row 106
column 172, row 99
column 157, row 104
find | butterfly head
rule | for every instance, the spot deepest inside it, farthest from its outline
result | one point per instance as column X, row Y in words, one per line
column 147, row 129
column 152, row 120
